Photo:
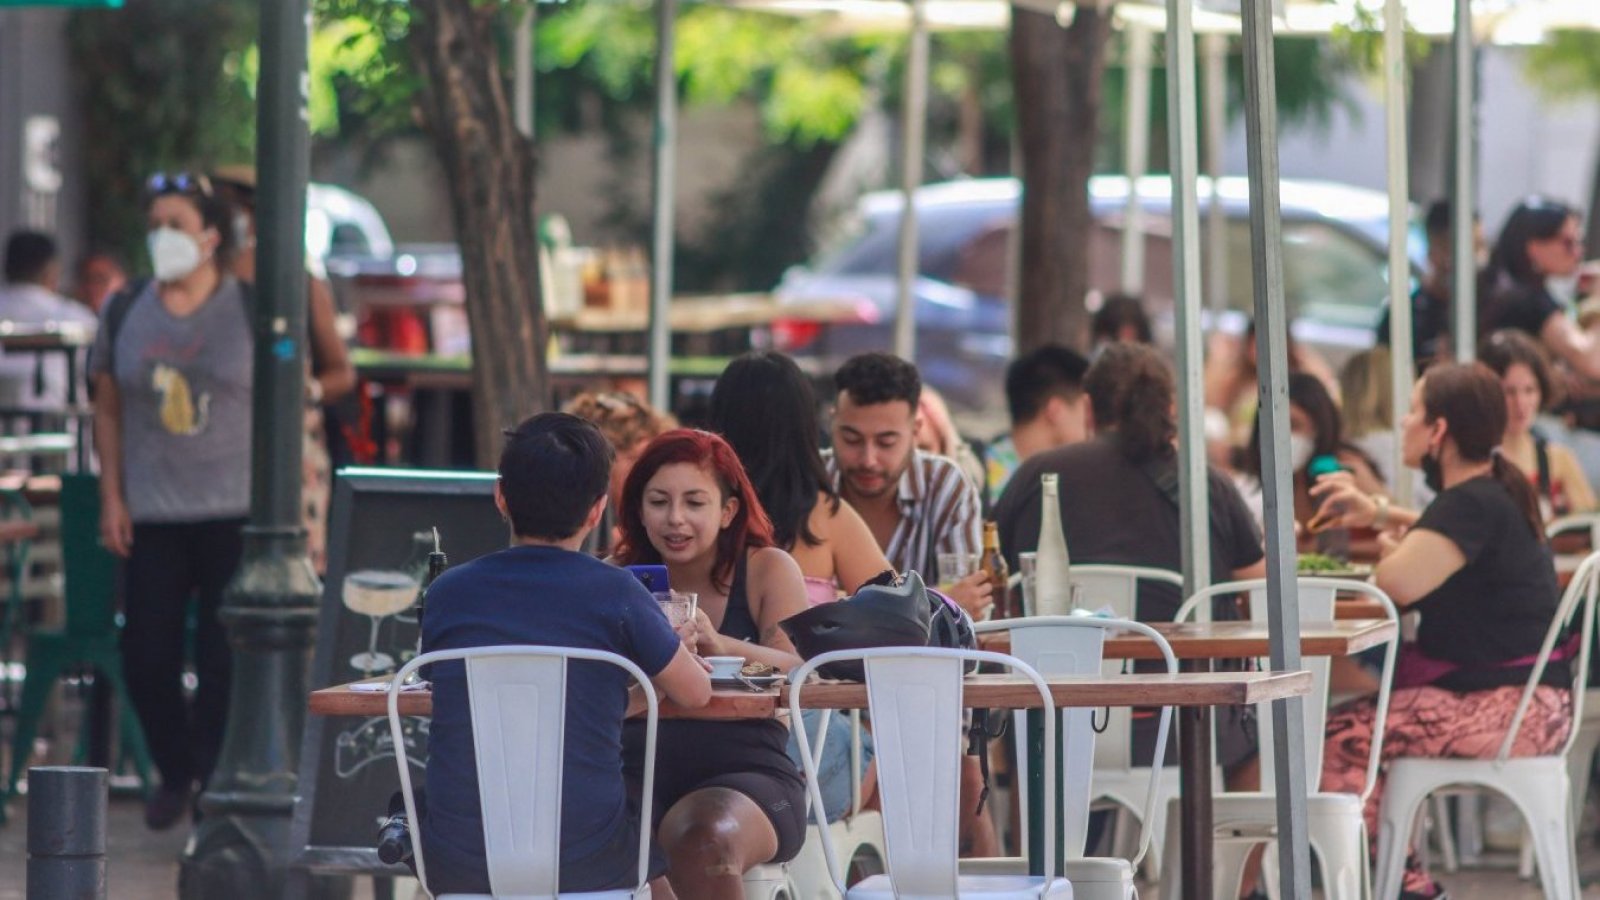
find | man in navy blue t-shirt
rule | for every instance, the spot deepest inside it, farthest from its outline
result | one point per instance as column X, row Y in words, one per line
column 554, row 474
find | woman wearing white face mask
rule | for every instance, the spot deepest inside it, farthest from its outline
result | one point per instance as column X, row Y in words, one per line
column 172, row 369
column 1315, row 434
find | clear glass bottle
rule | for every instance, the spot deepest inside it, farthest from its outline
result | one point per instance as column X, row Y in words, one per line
column 1053, row 588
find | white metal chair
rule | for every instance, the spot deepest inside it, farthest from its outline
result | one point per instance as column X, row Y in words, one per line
column 1580, row 760
column 1117, row 781
column 1468, row 831
column 518, row 698
column 915, row 697
column 1073, row 645
column 860, row 831
column 1335, row 827
column 1536, row 785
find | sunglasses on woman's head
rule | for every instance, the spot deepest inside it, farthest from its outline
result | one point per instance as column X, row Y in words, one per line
column 178, row 183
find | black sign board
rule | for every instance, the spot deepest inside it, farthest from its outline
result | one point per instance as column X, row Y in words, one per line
column 380, row 531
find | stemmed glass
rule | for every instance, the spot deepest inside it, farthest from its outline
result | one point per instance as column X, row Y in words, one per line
column 377, row 594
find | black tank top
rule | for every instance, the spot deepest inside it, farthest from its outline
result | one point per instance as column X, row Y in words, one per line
column 737, row 622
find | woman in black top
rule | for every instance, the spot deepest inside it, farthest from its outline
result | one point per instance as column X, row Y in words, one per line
column 1540, row 240
column 727, row 796
column 1476, row 565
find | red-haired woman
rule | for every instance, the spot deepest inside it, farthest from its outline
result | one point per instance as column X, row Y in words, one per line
column 727, row 796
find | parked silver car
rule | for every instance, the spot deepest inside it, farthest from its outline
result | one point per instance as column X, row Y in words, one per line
column 1335, row 272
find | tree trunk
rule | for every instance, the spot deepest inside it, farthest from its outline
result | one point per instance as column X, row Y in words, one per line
column 1056, row 74
column 1591, row 246
column 489, row 166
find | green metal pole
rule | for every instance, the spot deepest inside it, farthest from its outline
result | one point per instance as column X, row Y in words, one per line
column 241, row 848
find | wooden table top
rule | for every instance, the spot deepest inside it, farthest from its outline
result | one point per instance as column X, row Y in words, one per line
column 1233, row 640
column 982, row 691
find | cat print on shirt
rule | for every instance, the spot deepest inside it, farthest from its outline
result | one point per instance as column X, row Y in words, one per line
column 182, row 413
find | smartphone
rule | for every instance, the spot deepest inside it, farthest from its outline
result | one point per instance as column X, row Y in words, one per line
column 654, row 578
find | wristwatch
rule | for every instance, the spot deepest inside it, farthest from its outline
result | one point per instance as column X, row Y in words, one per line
column 1381, row 517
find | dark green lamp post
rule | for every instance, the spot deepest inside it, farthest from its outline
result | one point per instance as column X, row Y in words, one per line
column 240, row 850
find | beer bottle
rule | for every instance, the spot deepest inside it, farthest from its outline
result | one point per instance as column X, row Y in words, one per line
column 993, row 564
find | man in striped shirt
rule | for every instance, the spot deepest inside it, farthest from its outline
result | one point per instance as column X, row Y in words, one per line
column 918, row 505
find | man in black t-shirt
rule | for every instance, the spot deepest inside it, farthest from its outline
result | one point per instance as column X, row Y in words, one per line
column 1113, row 512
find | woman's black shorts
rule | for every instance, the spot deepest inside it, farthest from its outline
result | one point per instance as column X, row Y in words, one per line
column 744, row 756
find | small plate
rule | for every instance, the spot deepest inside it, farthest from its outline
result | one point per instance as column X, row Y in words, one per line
column 734, row 684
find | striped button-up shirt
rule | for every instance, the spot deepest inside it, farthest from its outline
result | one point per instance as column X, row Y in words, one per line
column 940, row 512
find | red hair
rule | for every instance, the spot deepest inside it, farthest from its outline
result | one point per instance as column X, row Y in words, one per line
column 750, row 528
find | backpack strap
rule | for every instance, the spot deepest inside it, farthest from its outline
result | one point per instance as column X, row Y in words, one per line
column 116, row 313
column 1541, row 455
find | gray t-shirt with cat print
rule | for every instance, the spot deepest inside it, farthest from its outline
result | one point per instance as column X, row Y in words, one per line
column 184, row 384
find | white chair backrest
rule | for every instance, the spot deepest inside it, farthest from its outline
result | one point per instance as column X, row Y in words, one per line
column 915, row 699
column 517, row 699
column 1577, row 606
column 1117, row 587
column 1317, row 598
column 1582, row 523
column 1074, row 645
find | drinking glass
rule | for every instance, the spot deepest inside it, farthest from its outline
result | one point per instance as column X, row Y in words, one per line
column 377, row 594
column 679, row 606
column 955, row 566
column 1028, row 569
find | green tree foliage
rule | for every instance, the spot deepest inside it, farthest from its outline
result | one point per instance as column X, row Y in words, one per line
column 1567, row 64
column 154, row 101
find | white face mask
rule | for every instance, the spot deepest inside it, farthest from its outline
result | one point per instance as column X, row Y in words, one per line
column 1300, row 448
column 173, row 253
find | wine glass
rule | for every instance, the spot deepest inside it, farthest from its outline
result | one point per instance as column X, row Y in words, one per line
column 377, row 594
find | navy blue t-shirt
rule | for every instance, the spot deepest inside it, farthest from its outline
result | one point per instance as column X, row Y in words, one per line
column 536, row 595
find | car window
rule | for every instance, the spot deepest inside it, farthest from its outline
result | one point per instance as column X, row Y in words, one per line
column 871, row 247
column 1328, row 275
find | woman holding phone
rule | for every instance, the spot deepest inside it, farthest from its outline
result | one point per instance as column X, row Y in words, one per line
column 728, row 798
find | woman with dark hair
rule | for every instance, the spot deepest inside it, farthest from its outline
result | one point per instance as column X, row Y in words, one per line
column 1315, row 433
column 171, row 370
column 1476, row 565
column 764, row 407
column 727, row 795
column 1540, row 240
column 1525, row 376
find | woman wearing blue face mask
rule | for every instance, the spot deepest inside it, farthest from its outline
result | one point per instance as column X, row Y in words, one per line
column 171, row 372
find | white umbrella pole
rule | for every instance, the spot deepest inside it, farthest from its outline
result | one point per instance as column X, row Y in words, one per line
column 1136, row 148
column 664, row 188
column 913, row 136
column 1214, row 48
column 1400, row 324
column 1462, row 199
column 1181, row 127
column 1272, row 336
column 522, row 75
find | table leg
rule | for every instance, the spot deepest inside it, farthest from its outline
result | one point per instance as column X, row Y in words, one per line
column 1035, row 811
column 1194, row 761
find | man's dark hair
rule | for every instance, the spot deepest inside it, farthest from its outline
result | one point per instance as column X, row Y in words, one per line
column 1120, row 311
column 873, row 378
column 552, row 470
column 1439, row 219
column 1033, row 378
column 28, row 254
